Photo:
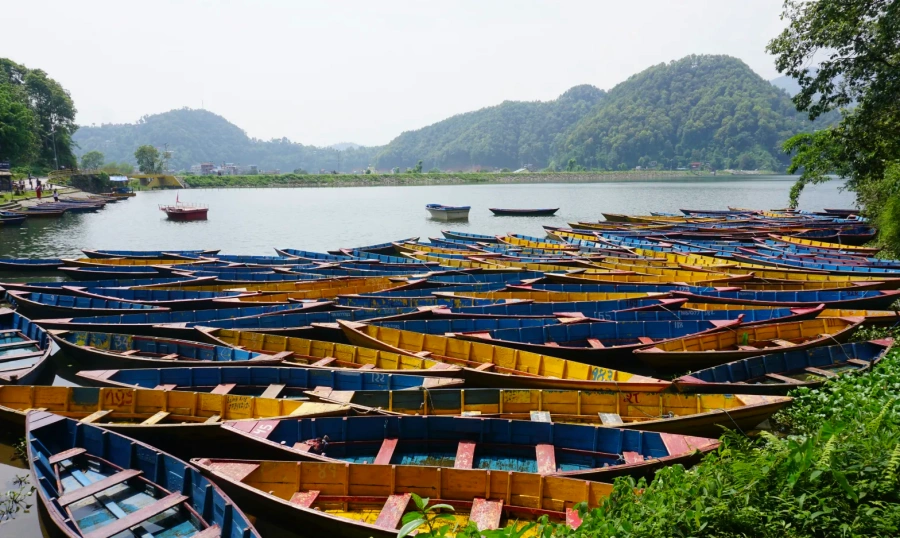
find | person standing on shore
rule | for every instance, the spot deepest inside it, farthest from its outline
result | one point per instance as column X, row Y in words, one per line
column 55, row 195
column 37, row 190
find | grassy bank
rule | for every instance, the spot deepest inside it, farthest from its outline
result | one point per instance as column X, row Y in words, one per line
column 361, row 180
column 832, row 469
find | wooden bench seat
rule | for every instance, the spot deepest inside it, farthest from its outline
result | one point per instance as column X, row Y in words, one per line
column 540, row 416
column 369, row 366
column 386, row 452
column 130, row 352
column 66, row 455
column 486, row 513
column 324, row 362
column 223, row 389
column 165, row 387
column 213, row 419
column 783, row 379
column 645, row 340
column 156, row 419
column 485, row 366
column 465, row 455
column 304, row 498
column 213, row 531
column 95, row 416
column 819, row 371
column 859, row 362
column 783, row 343
column 272, row 391
column 632, row 457
column 392, row 512
column 97, row 487
column 595, row 343
column 546, row 458
column 610, row 419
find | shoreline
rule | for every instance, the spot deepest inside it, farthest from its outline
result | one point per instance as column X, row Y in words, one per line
column 396, row 180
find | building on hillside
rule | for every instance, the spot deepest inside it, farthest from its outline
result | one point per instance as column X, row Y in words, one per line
column 253, row 170
column 207, row 169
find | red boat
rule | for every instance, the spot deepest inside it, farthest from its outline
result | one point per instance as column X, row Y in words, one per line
column 183, row 212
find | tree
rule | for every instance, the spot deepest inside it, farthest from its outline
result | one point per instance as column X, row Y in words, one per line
column 55, row 113
column 92, row 160
column 18, row 140
column 147, row 158
column 418, row 168
column 857, row 46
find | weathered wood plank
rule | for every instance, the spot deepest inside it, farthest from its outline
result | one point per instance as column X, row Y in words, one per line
column 272, row 391
column 66, row 455
column 386, row 452
column 465, row 455
column 156, row 419
column 486, row 513
column 135, row 518
column 97, row 487
column 546, row 458
column 392, row 512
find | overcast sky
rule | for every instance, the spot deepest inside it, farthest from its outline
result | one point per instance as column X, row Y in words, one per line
column 361, row 71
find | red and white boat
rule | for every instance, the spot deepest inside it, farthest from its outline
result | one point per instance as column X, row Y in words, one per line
column 181, row 211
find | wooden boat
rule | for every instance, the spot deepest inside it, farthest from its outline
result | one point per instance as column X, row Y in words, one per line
column 23, row 265
column 696, row 279
column 152, row 254
column 163, row 418
column 478, row 364
column 112, row 272
column 841, row 212
column 748, row 317
column 11, row 219
column 867, row 251
column 24, row 349
column 45, row 305
column 366, row 501
column 446, row 212
column 170, row 299
column 320, row 354
column 550, row 296
column 528, row 309
column 778, row 373
column 180, row 324
column 105, row 350
column 466, row 236
column 523, row 212
column 602, row 343
column 34, row 213
column 99, row 484
column 264, row 381
column 535, row 242
column 144, row 262
column 57, row 288
column 707, row 350
column 573, row 450
column 861, row 299
column 670, row 412
column 185, row 212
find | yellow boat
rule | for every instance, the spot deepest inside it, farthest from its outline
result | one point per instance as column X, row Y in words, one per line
column 415, row 247
column 550, row 296
column 823, row 244
column 668, row 412
column 477, row 262
column 762, row 272
column 707, row 350
column 165, row 419
column 119, row 262
column 544, row 245
column 700, row 279
column 318, row 354
column 370, row 500
column 498, row 366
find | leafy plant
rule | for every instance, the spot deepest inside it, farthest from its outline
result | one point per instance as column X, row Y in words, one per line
column 16, row 500
column 431, row 517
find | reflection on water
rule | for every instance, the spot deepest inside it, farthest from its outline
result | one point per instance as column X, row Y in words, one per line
column 253, row 221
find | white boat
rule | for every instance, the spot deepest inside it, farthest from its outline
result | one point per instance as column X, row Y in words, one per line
column 446, row 212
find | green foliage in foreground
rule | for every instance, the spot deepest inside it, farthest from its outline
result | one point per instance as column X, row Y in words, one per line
column 836, row 473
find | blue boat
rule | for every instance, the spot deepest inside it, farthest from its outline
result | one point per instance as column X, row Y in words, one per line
column 45, row 305
column 382, row 301
column 264, row 381
column 110, row 272
column 176, row 324
column 758, row 316
column 105, row 350
column 96, row 483
column 59, row 287
column 560, row 309
column 847, row 299
column 466, row 236
column 380, row 248
column 171, row 299
column 463, row 325
column 23, row 265
column 605, row 344
column 233, row 277
column 779, row 373
column 256, row 260
column 151, row 254
column 24, row 349
column 298, row 323
column 312, row 256
column 387, row 260
column 574, row 450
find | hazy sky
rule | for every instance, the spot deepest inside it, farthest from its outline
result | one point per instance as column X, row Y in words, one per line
column 362, row 71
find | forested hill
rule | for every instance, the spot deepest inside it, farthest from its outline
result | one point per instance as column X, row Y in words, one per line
column 698, row 109
column 195, row 136
column 511, row 135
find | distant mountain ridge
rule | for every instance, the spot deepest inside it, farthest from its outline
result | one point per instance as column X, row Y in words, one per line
column 195, row 136
column 702, row 108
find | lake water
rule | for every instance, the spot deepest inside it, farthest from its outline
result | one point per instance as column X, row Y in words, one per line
column 253, row 221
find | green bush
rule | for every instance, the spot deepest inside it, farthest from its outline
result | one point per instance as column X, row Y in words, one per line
column 95, row 183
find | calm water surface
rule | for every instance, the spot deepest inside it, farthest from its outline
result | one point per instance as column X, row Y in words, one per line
column 253, row 221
